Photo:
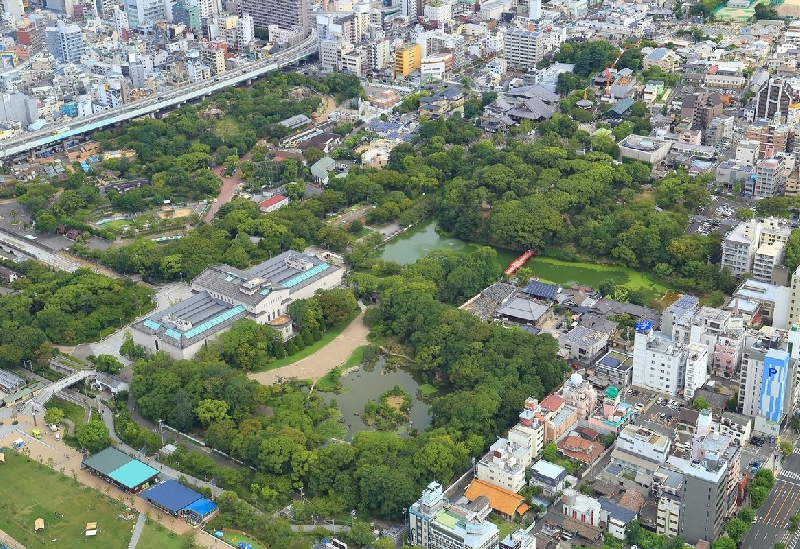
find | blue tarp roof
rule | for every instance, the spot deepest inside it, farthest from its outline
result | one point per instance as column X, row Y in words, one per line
column 171, row 495
column 133, row 474
column 202, row 507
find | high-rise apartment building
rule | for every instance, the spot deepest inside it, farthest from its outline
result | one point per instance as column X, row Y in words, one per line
column 740, row 246
column 524, row 48
column 144, row 13
column 407, row 59
column 770, row 179
column 704, row 499
column 774, row 96
column 286, row 14
column 65, row 42
column 659, row 364
column 186, row 14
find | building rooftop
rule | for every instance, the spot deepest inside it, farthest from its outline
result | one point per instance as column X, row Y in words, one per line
column 548, row 470
column 581, row 334
column 522, row 308
column 504, row 501
column 194, row 319
column 614, row 360
column 616, row 511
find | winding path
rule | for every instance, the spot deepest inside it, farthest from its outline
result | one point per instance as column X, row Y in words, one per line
column 316, row 365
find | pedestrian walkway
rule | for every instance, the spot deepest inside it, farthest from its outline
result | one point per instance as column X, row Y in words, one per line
column 137, row 530
column 163, row 469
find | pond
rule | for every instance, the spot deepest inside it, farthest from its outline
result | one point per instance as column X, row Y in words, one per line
column 424, row 238
column 360, row 386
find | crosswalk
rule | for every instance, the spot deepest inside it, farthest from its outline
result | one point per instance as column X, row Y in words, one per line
column 796, row 450
column 789, row 474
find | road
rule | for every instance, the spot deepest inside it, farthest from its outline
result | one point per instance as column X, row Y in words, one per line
column 59, row 132
column 782, row 503
column 37, row 251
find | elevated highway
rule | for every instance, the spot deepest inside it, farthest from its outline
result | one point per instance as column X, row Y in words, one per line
column 171, row 99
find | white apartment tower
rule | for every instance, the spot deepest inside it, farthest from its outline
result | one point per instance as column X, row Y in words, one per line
column 658, row 363
column 763, row 239
column 524, row 48
column 245, row 31
column 794, row 302
column 696, row 369
column 65, row 42
column 535, row 10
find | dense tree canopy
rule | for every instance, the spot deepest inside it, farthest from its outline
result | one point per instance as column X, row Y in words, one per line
column 64, row 308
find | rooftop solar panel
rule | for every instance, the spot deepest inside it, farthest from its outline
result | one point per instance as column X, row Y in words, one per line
column 541, row 289
column 610, row 361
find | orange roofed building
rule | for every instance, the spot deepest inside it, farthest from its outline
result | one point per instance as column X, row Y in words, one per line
column 504, row 502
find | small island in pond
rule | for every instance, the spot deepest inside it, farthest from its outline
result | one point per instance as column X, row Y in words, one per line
column 390, row 411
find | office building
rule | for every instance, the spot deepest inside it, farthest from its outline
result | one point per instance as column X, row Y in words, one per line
column 685, row 306
column 794, row 301
column 767, row 379
column 705, row 498
column 668, row 514
column 766, row 259
column 186, row 14
column 434, row 523
column 285, row 14
column 696, row 369
column 65, row 42
column 535, row 10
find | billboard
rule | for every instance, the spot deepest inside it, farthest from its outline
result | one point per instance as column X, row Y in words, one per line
column 774, row 382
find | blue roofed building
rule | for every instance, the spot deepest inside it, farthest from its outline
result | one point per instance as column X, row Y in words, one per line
column 180, row 501
column 225, row 294
column 120, row 469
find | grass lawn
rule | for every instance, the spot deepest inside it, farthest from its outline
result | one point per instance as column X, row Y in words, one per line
column 503, row 525
column 30, row 490
column 427, row 389
column 592, row 274
column 157, row 535
column 330, row 381
column 235, row 537
column 71, row 411
column 118, row 225
column 327, row 337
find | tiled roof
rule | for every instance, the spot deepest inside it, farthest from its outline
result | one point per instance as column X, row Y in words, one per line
column 502, row 500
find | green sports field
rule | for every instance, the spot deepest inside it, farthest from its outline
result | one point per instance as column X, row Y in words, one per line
column 30, row 490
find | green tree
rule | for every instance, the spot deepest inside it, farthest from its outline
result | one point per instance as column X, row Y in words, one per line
column 361, row 533
column 93, row 436
column 746, row 514
column 758, row 494
column 786, row 447
column 736, row 529
column 53, row 415
column 700, row 403
column 210, row 411
column 107, row 363
column 723, row 543
column 337, row 305
column 550, row 452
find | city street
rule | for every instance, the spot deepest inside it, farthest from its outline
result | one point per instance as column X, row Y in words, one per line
column 782, row 503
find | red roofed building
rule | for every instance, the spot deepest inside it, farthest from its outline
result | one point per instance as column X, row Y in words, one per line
column 581, row 449
column 273, row 203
